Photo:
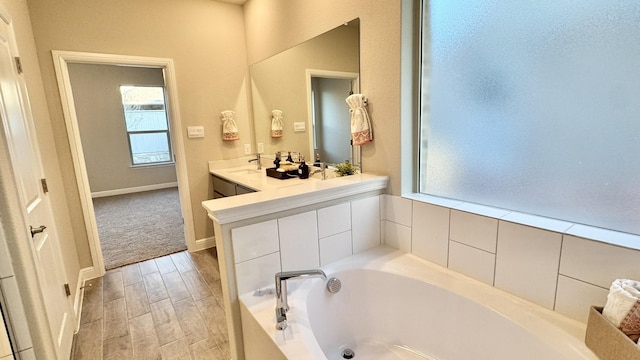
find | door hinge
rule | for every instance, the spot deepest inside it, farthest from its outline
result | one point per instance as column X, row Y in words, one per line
column 18, row 65
column 67, row 289
column 45, row 187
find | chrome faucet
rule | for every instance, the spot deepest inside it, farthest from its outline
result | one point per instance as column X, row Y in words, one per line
column 322, row 170
column 258, row 161
column 281, row 292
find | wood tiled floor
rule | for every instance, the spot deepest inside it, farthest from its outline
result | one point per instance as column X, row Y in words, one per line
column 164, row 308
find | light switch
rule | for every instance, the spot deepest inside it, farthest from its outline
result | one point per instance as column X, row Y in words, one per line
column 299, row 126
column 195, row 131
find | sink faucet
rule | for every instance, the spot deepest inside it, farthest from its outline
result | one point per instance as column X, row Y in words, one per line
column 258, row 161
column 281, row 292
column 322, row 170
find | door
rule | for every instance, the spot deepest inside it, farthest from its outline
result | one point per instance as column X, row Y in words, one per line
column 27, row 168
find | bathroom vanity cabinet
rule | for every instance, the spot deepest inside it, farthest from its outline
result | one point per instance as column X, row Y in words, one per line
column 224, row 188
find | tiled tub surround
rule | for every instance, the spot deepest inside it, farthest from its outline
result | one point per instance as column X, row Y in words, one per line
column 559, row 265
column 294, row 227
column 431, row 309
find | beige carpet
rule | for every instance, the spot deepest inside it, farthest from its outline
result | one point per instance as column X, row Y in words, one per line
column 140, row 226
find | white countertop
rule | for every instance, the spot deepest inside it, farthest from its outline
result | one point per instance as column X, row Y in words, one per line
column 276, row 195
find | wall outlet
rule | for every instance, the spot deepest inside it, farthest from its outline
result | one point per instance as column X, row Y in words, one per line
column 247, row 149
column 261, row 148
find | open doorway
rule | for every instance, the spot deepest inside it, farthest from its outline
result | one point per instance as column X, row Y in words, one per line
column 62, row 61
column 125, row 134
column 329, row 115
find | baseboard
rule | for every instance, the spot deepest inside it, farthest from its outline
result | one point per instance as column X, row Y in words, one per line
column 84, row 274
column 131, row 190
column 205, row 243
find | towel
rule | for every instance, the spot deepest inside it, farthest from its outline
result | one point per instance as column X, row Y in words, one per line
column 623, row 307
column 276, row 123
column 361, row 131
column 229, row 127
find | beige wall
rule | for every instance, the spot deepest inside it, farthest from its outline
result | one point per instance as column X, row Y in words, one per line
column 206, row 41
column 275, row 25
column 102, row 127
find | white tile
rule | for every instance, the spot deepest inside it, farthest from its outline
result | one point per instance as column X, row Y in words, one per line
column 484, row 210
column 538, row 221
column 574, row 298
column 334, row 220
column 257, row 273
column 527, row 262
column 608, row 236
column 434, row 200
column 365, row 223
column 335, row 247
column 397, row 209
column 5, row 261
column 299, row 241
column 28, row 354
column 255, row 240
column 598, row 263
column 8, row 357
column 16, row 313
column 472, row 262
column 430, row 232
column 397, row 236
column 474, row 230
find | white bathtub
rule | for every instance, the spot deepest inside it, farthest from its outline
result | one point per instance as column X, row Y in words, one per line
column 394, row 305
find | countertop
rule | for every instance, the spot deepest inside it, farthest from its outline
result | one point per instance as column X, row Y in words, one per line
column 274, row 195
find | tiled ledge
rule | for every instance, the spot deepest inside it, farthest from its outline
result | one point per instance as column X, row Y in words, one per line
column 612, row 237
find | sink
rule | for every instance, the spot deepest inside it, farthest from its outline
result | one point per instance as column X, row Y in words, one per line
column 245, row 172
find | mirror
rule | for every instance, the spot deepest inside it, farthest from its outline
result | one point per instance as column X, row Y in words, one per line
column 309, row 84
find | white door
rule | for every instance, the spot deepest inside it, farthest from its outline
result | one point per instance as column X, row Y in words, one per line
column 27, row 166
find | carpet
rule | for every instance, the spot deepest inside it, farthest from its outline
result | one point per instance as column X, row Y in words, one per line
column 139, row 226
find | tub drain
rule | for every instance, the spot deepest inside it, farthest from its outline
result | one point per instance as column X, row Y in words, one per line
column 348, row 354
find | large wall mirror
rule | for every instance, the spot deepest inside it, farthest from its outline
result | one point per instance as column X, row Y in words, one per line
column 309, row 84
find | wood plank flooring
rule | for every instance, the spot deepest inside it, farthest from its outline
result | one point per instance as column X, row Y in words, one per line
column 164, row 308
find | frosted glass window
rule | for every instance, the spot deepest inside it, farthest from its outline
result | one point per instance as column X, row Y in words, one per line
column 534, row 106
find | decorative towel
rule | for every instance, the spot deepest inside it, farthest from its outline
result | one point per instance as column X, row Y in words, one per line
column 229, row 127
column 276, row 123
column 361, row 131
column 623, row 307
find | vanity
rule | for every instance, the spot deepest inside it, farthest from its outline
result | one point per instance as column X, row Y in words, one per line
column 279, row 204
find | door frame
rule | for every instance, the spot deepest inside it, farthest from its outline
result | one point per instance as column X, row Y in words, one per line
column 331, row 74
column 61, row 60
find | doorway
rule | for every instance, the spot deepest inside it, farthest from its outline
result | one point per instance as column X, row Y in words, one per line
column 62, row 61
column 125, row 136
column 330, row 137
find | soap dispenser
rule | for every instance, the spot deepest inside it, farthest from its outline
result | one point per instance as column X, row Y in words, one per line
column 318, row 161
column 303, row 170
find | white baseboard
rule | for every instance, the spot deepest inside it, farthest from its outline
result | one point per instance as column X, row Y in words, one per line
column 205, row 243
column 83, row 275
column 131, row 190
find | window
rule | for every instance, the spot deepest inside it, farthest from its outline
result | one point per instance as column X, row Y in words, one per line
column 534, row 107
column 147, row 126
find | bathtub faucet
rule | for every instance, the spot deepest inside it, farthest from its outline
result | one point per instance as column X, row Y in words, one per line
column 281, row 292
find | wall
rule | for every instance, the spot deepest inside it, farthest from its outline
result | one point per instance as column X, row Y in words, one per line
column 206, row 41
column 557, row 265
column 102, row 127
column 275, row 25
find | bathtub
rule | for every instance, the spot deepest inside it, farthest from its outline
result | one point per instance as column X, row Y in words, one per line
column 394, row 305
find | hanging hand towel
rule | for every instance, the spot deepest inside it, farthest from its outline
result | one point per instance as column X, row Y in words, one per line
column 623, row 307
column 229, row 127
column 276, row 123
column 361, row 131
